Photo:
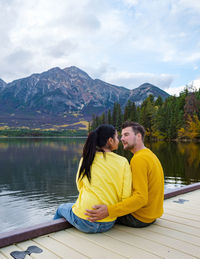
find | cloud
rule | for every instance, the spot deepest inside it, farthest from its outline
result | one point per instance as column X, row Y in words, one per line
column 61, row 49
column 45, row 33
column 126, row 42
column 194, row 85
column 131, row 2
column 133, row 80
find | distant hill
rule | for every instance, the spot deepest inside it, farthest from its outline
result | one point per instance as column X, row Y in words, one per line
column 2, row 84
column 63, row 97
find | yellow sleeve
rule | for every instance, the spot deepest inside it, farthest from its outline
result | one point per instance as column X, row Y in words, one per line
column 139, row 196
column 79, row 183
column 127, row 183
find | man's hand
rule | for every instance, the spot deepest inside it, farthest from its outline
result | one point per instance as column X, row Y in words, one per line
column 98, row 212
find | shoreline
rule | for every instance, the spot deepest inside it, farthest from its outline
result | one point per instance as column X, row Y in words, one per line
column 6, row 137
column 85, row 136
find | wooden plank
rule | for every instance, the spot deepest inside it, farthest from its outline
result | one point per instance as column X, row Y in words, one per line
column 87, row 248
column 174, row 234
column 192, row 212
column 187, row 203
column 111, row 243
column 185, row 207
column 58, row 248
column 145, row 244
column 189, row 194
column 181, row 190
column 46, row 254
column 181, row 220
column 191, row 199
column 185, row 215
column 23, row 234
column 192, row 194
column 176, row 226
column 176, row 244
column 2, row 256
column 7, row 250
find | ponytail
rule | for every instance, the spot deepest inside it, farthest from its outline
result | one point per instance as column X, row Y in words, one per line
column 96, row 140
column 89, row 151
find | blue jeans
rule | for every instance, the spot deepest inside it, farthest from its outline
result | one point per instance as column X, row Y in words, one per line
column 65, row 211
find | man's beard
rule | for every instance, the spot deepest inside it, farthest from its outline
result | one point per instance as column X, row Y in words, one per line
column 128, row 147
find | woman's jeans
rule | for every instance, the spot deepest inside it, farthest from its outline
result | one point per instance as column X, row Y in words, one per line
column 65, row 211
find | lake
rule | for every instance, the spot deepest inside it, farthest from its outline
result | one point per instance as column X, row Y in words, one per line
column 38, row 174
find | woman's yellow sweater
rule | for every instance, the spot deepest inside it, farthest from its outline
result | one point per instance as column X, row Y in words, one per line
column 111, row 182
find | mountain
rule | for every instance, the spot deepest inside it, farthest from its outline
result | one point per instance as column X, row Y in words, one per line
column 63, row 97
column 2, row 84
column 140, row 93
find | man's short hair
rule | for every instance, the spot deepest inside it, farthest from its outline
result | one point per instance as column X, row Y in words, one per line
column 136, row 127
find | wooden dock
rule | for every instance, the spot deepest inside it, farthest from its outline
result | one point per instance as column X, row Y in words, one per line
column 175, row 235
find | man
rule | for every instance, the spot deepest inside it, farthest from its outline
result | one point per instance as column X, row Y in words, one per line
column 146, row 203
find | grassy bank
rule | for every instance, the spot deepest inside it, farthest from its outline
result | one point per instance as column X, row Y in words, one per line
column 41, row 133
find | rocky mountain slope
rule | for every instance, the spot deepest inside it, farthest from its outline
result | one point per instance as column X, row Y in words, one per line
column 63, row 96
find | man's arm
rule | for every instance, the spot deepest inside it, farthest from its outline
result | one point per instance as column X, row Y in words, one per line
column 99, row 212
column 125, row 207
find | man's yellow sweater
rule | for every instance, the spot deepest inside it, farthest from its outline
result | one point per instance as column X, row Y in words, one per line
column 146, row 202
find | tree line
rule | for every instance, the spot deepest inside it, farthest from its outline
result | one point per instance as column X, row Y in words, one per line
column 175, row 118
column 21, row 132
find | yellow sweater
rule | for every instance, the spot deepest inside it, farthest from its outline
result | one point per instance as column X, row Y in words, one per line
column 111, row 182
column 146, row 202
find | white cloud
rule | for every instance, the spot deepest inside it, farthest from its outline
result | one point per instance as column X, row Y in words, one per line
column 192, row 4
column 175, row 90
column 131, row 2
column 195, row 85
column 126, row 42
column 133, row 80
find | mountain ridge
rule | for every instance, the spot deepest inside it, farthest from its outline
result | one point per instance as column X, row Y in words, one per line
column 63, row 96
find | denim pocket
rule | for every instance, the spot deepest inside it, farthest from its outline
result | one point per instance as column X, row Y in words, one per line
column 87, row 226
column 105, row 226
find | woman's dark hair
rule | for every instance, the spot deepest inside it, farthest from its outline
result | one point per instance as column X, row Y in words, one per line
column 95, row 141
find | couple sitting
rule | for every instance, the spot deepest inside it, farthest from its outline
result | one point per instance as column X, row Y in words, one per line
column 111, row 190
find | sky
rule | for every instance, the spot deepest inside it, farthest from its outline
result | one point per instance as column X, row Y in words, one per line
column 122, row 42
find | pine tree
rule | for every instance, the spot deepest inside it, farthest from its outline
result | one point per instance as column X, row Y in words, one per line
column 147, row 115
column 191, row 106
column 159, row 101
column 127, row 111
column 109, row 117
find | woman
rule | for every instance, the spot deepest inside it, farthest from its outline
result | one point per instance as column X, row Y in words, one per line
column 103, row 178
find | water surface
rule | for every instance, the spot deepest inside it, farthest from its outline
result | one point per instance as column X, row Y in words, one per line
column 38, row 174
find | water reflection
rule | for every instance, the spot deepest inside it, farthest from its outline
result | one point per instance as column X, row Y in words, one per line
column 37, row 174
column 181, row 162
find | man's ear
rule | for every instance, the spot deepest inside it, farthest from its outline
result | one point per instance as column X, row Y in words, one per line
column 140, row 138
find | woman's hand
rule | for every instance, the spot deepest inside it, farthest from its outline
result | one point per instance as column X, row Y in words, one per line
column 98, row 212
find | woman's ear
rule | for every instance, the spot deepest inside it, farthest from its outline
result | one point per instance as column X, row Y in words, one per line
column 110, row 141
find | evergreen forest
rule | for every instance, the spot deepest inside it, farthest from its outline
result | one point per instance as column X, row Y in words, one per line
column 175, row 118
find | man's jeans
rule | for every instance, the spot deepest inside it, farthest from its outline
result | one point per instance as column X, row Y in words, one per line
column 65, row 211
column 130, row 221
